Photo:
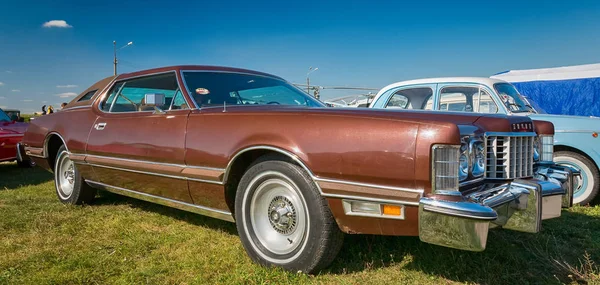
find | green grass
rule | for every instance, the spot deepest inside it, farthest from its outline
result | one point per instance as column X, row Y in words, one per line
column 118, row 240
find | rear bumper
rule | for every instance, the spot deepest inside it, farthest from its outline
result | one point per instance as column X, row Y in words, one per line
column 520, row 205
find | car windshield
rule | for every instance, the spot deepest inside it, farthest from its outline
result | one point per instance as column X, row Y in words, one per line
column 4, row 117
column 511, row 98
column 218, row 89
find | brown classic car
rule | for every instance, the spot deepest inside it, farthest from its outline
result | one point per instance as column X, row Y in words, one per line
column 250, row 148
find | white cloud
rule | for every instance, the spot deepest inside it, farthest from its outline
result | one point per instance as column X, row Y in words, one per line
column 44, row 101
column 15, row 90
column 56, row 24
column 27, row 100
column 3, row 107
column 66, row 86
column 9, row 71
column 1, row 83
column 67, row 94
column 2, row 97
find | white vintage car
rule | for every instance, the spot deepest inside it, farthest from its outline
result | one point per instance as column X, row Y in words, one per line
column 576, row 142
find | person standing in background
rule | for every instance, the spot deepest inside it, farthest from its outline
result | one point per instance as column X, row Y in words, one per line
column 63, row 105
column 50, row 110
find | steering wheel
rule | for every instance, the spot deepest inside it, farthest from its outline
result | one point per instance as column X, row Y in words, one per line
column 273, row 102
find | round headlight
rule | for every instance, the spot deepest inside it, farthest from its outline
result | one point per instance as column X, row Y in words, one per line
column 478, row 159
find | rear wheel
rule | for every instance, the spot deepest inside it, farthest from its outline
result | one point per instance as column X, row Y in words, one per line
column 70, row 186
column 588, row 184
column 282, row 219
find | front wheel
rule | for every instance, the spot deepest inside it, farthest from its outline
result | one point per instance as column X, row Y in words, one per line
column 588, row 184
column 70, row 186
column 282, row 219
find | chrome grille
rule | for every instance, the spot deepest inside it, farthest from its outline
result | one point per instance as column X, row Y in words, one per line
column 509, row 157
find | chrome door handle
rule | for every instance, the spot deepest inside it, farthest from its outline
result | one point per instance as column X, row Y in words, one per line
column 99, row 126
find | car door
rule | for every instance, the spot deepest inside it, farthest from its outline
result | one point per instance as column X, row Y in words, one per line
column 136, row 147
column 465, row 97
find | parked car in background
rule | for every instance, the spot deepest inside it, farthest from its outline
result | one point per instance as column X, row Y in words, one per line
column 11, row 133
column 14, row 114
column 576, row 142
column 250, row 148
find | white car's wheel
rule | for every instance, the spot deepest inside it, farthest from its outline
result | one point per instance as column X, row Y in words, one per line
column 282, row 219
column 588, row 184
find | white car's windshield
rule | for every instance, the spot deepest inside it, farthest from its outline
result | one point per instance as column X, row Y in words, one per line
column 511, row 98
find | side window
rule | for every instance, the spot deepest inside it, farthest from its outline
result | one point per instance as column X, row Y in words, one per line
column 398, row 101
column 130, row 94
column 108, row 100
column 412, row 98
column 457, row 99
column 485, row 102
column 87, row 96
column 466, row 99
column 179, row 102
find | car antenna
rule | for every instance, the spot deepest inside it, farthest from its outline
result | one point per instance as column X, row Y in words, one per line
column 224, row 106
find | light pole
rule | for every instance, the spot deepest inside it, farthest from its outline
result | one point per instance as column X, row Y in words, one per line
column 310, row 70
column 115, row 54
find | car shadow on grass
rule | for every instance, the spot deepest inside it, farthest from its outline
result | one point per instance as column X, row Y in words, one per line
column 510, row 258
column 108, row 198
column 14, row 177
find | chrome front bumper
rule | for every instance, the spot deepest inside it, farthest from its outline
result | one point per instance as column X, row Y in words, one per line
column 520, row 205
column 559, row 175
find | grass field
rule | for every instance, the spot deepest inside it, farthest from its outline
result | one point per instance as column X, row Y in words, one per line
column 118, row 240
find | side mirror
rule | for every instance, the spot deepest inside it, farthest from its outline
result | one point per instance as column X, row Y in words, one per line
column 156, row 100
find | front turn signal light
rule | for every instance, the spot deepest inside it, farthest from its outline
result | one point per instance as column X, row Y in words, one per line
column 392, row 210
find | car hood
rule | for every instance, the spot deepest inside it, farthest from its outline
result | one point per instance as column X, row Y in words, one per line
column 15, row 127
column 570, row 123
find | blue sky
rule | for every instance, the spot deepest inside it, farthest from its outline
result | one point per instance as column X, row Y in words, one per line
column 353, row 43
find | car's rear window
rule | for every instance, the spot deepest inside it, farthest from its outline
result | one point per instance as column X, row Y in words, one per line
column 87, row 96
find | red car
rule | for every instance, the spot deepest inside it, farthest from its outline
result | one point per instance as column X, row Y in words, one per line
column 11, row 133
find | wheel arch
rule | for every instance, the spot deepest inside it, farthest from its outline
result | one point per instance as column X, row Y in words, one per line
column 563, row 147
column 240, row 162
column 52, row 143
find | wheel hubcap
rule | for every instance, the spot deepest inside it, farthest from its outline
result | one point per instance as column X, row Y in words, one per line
column 65, row 173
column 282, row 215
column 277, row 216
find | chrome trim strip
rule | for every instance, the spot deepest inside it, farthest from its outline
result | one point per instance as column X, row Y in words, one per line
column 265, row 147
column 378, row 200
column 368, row 185
column 154, row 163
column 77, row 107
column 151, row 173
column 35, row 155
column 19, row 156
column 206, row 211
column 11, row 135
column 510, row 134
column 575, row 131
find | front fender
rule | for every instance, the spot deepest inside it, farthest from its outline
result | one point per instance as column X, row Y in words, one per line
column 581, row 141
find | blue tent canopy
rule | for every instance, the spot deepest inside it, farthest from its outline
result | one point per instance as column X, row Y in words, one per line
column 570, row 90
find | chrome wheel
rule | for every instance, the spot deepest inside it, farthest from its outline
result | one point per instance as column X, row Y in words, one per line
column 65, row 176
column 278, row 217
column 583, row 185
